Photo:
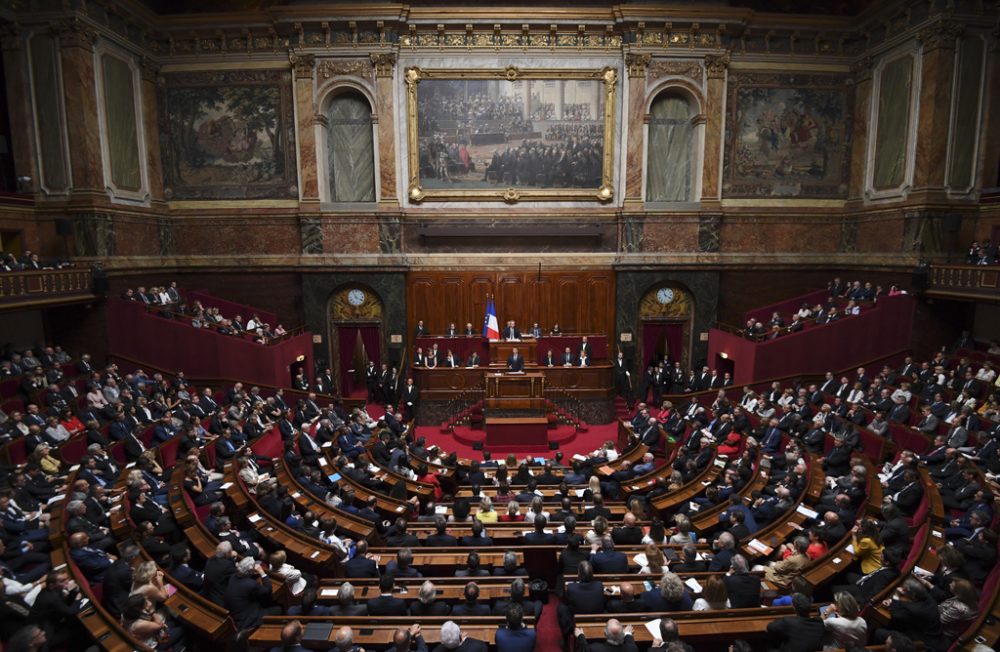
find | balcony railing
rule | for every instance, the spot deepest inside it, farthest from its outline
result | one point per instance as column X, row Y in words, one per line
column 45, row 287
column 974, row 282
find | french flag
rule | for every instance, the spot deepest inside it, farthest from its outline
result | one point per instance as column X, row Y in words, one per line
column 491, row 327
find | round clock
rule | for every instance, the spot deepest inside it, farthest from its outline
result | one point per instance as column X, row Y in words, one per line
column 355, row 297
column 664, row 295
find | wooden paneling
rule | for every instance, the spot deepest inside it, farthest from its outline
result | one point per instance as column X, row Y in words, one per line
column 580, row 301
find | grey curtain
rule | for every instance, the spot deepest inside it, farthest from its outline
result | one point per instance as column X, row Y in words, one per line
column 45, row 78
column 671, row 149
column 350, row 145
column 123, row 138
column 893, row 124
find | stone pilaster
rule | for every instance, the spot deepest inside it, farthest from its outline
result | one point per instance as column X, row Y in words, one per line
column 862, row 70
column 77, row 42
column 715, row 102
column 937, row 77
column 303, row 66
column 15, row 65
column 151, row 121
column 991, row 115
column 385, row 113
column 635, row 155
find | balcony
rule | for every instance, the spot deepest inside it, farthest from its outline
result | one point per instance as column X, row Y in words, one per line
column 44, row 288
column 965, row 282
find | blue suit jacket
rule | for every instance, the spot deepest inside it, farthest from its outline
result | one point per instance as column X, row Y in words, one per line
column 515, row 640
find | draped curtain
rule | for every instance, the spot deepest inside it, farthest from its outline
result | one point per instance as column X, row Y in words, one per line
column 655, row 335
column 347, row 341
column 963, row 145
column 123, row 139
column 48, row 112
column 350, row 147
column 671, row 149
column 893, row 124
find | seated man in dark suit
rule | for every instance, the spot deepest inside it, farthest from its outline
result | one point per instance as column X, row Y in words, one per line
column 427, row 603
column 584, row 596
column 629, row 534
column 743, row 588
column 440, row 538
column 607, row 559
column 91, row 561
column 627, row 602
column 401, row 566
column 689, row 562
column 248, row 596
column 471, row 606
column 798, row 633
column 515, row 637
column 616, row 639
column 454, row 640
column 386, row 604
column 361, row 565
column 865, row 587
column 539, row 537
column 472, row 567
column 517, row 597
column 346, row 606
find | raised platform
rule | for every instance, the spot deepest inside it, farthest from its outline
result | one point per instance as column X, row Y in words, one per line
column 564, row 435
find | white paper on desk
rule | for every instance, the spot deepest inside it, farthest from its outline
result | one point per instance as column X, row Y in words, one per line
column 700, row 556
column 719, row 462
column 323, row 463
column 225, row 485
column 373, row 469
column 561, row 529
column 758, row 546
column 693, row 506
column 328, row 593
column 705, row 483
column 314, row 555
column 326, row 445
column 640, row 559
column 74, row 468
column 579, row 458
column 849, row 549
column 922, row 572
column 653, row 627
column 538, row 492
column 253, row 518
column 693, row 584
column 55, row 498
column 401, row 508
column 579, row 492
column 805, row 511
column 440, row 509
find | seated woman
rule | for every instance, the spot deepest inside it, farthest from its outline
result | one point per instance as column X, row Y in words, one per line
column 71, row 423
column 655, row 563
column 513, row 513
column 844, row 627
column 867, row 546
column 486, row 513
column 147, row 626
column 960, row 610
column 714, row 595
column 281, row 570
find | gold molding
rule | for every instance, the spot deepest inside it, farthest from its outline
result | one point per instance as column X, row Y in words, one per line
column 268, row 64
column 417, row 193
column 790, row 66
column 788, row 202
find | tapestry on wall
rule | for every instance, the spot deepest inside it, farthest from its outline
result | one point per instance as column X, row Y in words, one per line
column 228, row 135
column 787, row 135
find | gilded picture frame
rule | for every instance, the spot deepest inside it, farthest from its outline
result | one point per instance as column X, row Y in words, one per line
column 492, row 135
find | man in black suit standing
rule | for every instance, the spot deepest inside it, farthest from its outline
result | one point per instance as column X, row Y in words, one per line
column 248, row 595
column 515, row 362
column 411, row 399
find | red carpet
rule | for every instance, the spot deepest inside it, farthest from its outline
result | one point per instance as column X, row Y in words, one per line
column 548, row 636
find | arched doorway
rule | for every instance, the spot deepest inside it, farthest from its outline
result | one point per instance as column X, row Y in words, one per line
column 356, row 336
column 665, row 315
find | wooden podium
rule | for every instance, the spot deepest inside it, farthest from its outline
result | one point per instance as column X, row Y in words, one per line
column 515, row 391
column 500, row 351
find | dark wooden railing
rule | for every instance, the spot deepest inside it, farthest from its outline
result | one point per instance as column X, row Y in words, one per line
column 45, row 287
column 973, row 282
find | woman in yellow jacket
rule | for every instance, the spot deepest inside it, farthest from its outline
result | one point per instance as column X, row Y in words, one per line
column 486, row 513
column 867, row 546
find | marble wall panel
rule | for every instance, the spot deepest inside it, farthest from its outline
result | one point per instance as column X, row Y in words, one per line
column 669, row 234
column 350, row 236
column 237, row 236
column 798, row 234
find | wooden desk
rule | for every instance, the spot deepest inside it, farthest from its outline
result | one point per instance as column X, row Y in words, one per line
column 500, row 351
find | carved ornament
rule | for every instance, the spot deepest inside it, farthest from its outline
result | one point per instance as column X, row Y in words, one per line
column 384, row 63
column 637, row 64
column 716, row 65
column 303, row 65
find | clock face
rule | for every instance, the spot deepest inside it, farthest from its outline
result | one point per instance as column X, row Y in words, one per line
column 355, row 297
column 664, row 295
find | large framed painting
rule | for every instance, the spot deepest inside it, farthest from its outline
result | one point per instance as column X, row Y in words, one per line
column 228, row 135
column 510, row 134
column 788, row 135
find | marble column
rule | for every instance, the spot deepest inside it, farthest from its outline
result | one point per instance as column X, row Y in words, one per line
column 18, row 89
column 715, row 104
column 79, row 85
column 635, row 109
column 385, row 114
column 305, row 133
column 862, row 71
column 936, row 82
column 151, row 121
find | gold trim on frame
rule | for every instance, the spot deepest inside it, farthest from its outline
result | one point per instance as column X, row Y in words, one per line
column 605, row 193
